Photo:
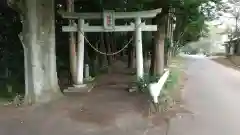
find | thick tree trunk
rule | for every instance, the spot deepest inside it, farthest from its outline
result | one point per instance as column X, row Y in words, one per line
column 170, row 37
column 153, row 60
column 39, row 50
column 72, row 43
column 167, row 41
column 159, row 41
column 157, row 57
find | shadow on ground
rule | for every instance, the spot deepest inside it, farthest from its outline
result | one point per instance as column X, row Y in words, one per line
column 231, row 61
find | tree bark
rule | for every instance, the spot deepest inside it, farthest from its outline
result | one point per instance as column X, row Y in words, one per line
column 130, row 51
column 120, row 44
column 72, row 45
column 157, row 57
column 227, row 49
column 107, row 47
column 165, row 41
column 112, row 46
column 159, row 41
column 168, row 40
column 179, row 22
column 153, row 59
column 39, row 51
column 171, row 36
column 102, row 58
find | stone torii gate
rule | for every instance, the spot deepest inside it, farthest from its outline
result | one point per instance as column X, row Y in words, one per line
column 109, row 26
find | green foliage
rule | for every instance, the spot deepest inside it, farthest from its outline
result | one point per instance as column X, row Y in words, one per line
column 194, row 26
column 170, row 93
column 172, row 79
column 143, row 83
column 167, row 44
column 191, row 18
column 166, row 99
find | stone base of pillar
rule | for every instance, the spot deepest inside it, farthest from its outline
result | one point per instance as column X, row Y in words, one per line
column 79, row 85
column 83, row 88
column 88, row 79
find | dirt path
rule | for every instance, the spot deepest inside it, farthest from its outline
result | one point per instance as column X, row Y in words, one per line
column 212, row 93
column 107, row 110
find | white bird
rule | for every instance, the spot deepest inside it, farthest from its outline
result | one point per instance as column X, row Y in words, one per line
column 155, row 88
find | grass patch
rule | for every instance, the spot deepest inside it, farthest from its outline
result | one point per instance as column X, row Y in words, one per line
column 175, row 67
column 142, row 84
column 171, row 93
column 172, row 79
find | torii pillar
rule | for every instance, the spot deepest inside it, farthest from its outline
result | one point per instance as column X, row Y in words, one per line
column 139, row 48
column 109, row 26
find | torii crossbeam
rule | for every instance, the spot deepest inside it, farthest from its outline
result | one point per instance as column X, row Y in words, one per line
column 109, row 26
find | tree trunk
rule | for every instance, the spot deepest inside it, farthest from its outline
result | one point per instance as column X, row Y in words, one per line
column 146, row 62
column 130, row 51
column 179, row 22
column 238, row 48
column 102, row 58
column 167, row 40
column 87, row 60
column 157, row 57
column 153, row 59
column 107, row 47
column 72, row 43
column 39, row 51
column 112, row 46
column 170, row 36
column 159, row 41
column 100, row 48
column 120, row 44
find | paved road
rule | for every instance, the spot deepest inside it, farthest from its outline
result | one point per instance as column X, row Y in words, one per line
column 212, row 93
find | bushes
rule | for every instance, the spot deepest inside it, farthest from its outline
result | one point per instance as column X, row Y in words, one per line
column 143, row 83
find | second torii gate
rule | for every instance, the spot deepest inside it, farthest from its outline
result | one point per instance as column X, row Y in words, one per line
column 109, row 26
